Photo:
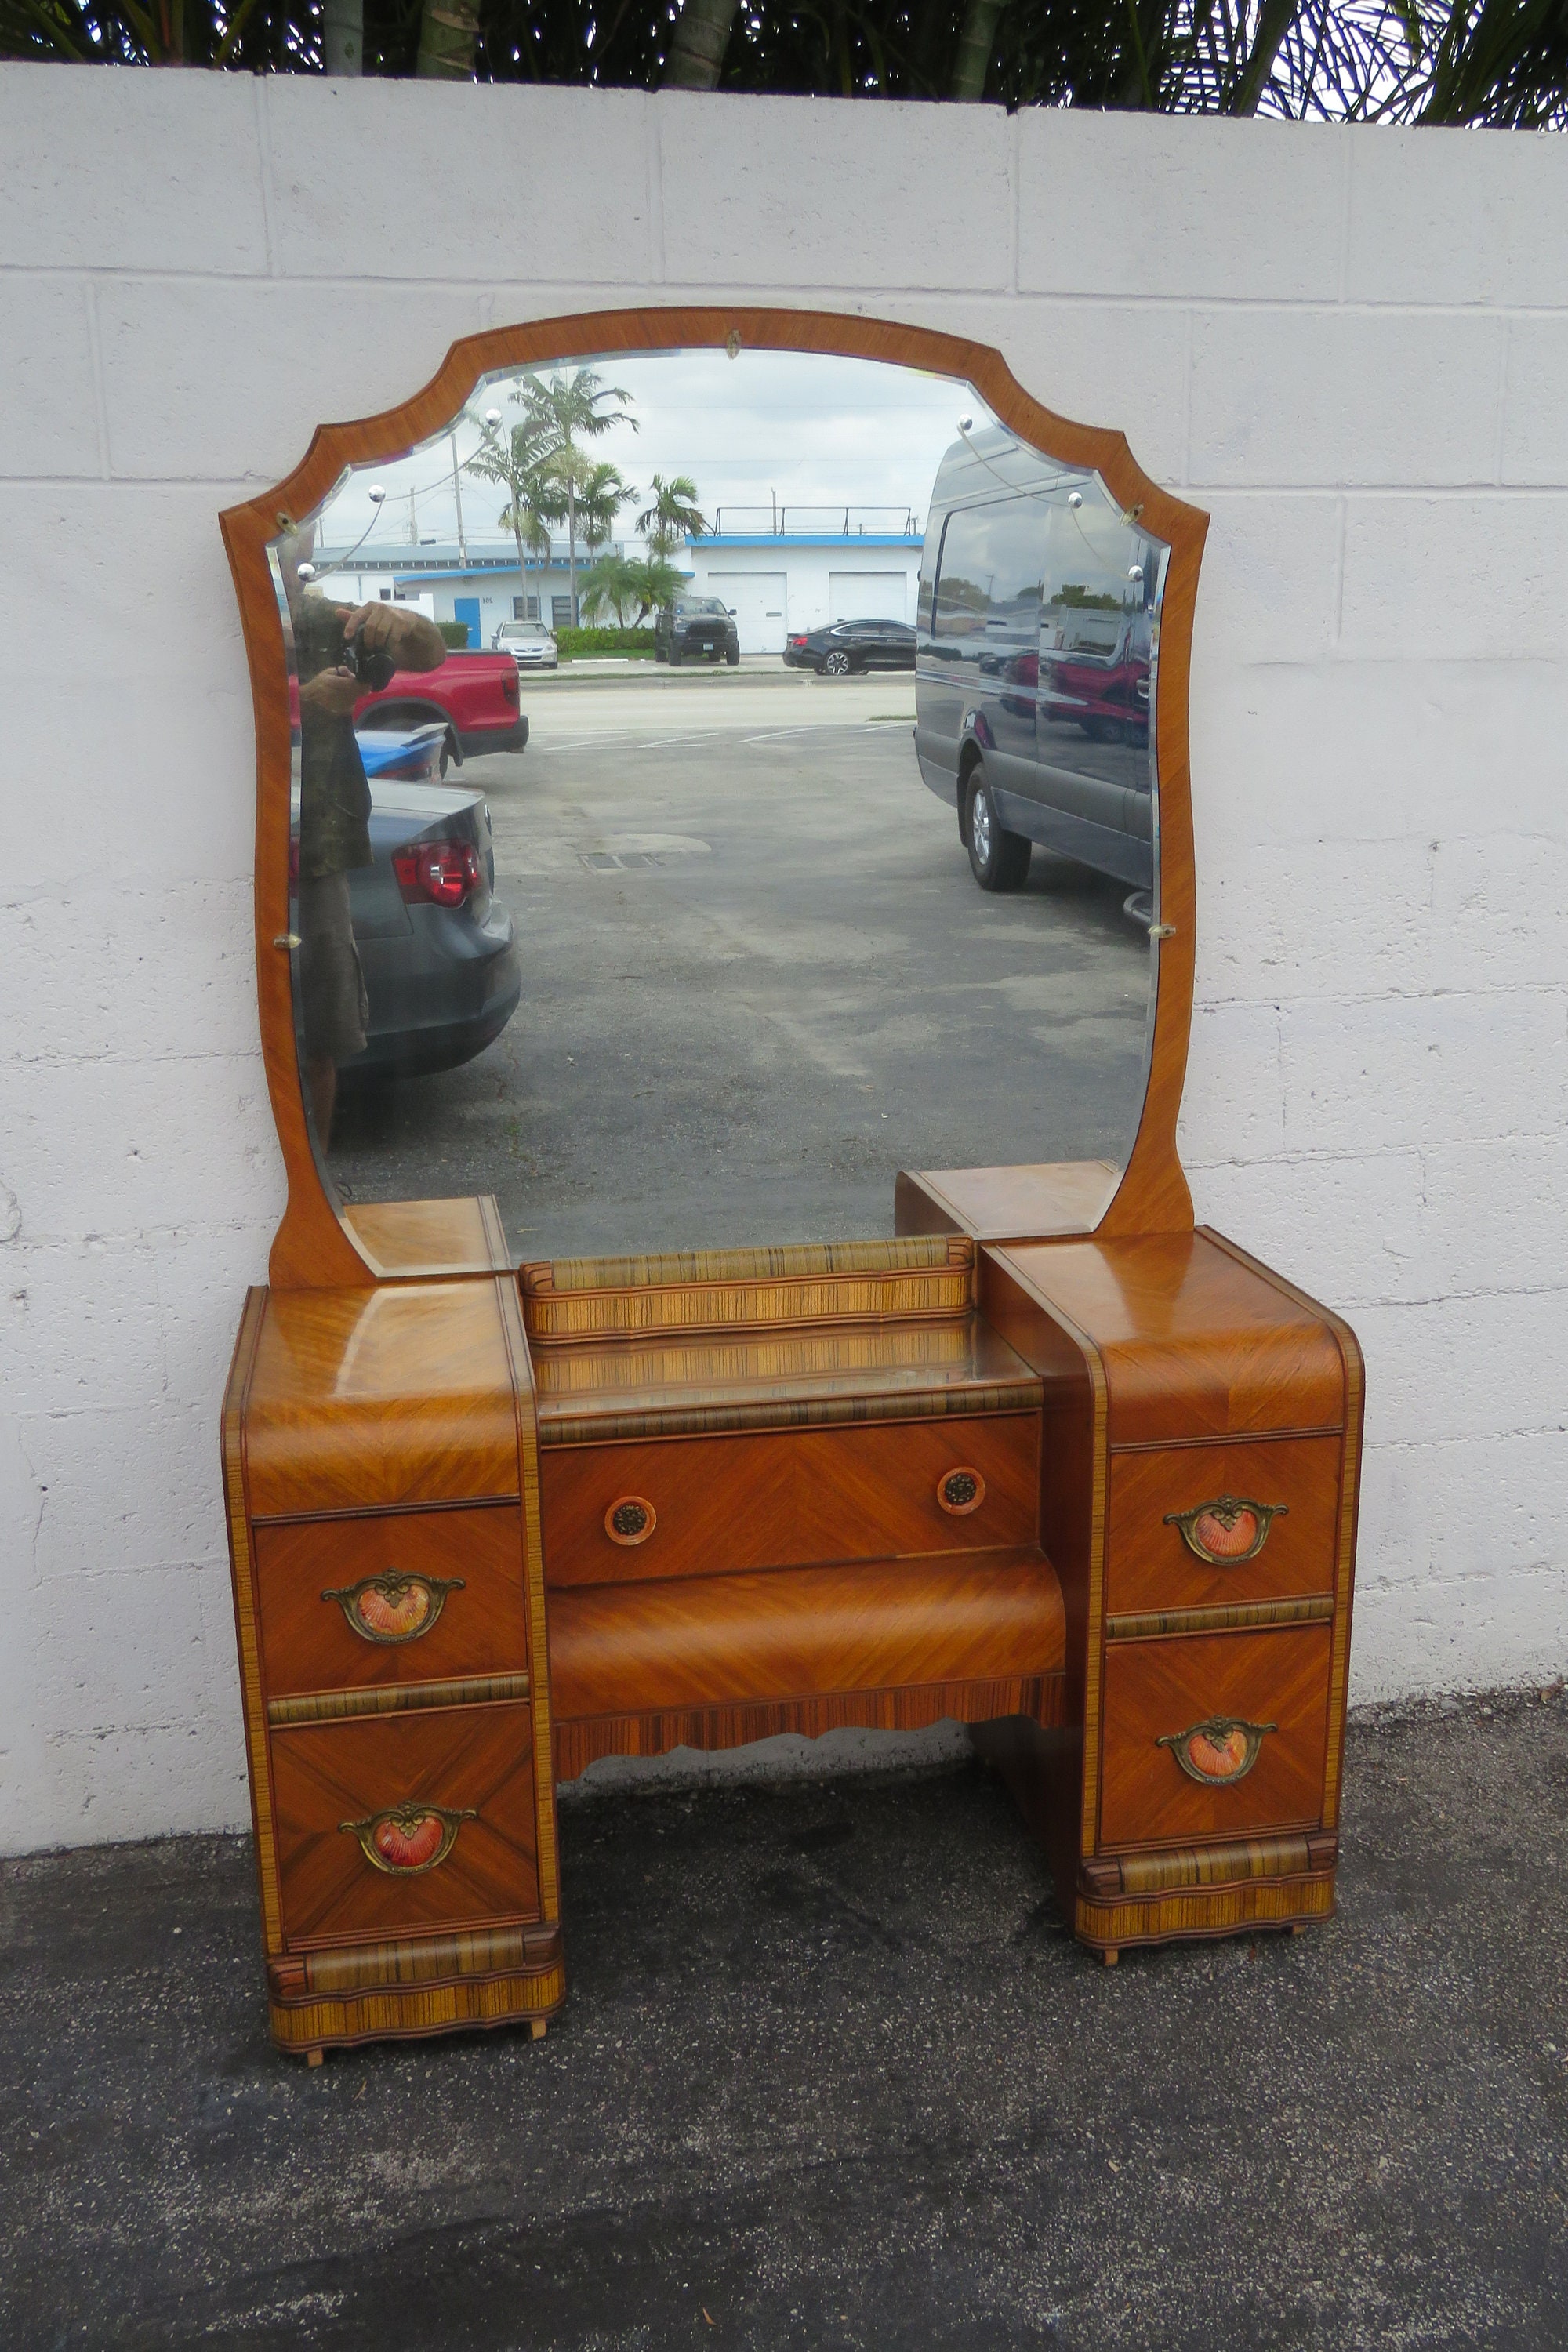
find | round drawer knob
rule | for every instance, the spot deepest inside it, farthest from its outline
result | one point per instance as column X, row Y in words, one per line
column 631, row 1520
column 961, row 1491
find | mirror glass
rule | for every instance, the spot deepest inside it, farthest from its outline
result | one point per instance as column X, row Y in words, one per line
column 720, row 781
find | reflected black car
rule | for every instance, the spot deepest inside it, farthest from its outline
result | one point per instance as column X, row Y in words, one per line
column 695, row 627
column 438, row 951
column 849, row 646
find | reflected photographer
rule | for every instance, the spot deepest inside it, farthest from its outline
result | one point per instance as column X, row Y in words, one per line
column 341, row 654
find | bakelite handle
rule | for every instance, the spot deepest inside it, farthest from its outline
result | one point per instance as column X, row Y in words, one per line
column 405, row 1841
column 630, row 1519
column 394, row 1606
column 1222, row 1749
column 961, row 1491
column 1229, row 1530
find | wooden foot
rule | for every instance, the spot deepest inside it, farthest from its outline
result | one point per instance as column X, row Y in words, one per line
column 1298, row 1926
column 1110, row 1956
column 314, row 2057
column 536, row 2026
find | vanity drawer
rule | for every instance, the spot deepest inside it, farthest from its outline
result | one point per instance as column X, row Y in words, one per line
column 707, row 1506
column 444, row 1801
column 418, row 1596
column 1154, row 1563
column 1159, row 1787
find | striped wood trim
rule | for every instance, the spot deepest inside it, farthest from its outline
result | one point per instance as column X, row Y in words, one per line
column 516, row 1337
column 599, row 1428
column 408, row 2011
column 582, row 1740
column 414, row 1960
column 1218, row 1865
column 792, row 1262
column 1155, row 1623
column 1349, row 1504
column 394, row 1699
column 246, row 1618
column 1219, row 1911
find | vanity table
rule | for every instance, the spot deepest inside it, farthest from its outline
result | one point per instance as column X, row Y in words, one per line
column 1043, row 1457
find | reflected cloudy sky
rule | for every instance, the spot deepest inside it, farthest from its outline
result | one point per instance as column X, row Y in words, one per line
column 804, row 429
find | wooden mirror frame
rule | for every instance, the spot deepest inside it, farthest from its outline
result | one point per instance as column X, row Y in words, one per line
column 313, row 1247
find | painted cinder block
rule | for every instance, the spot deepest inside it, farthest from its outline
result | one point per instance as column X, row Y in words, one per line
column 1392, row 1071
column 1457, row 217
column 762, row 191
column 1535, row 412
column 450, row 182
column 1465, row 578
column 1175, row 208
column 48, row 394
column 1318, row 396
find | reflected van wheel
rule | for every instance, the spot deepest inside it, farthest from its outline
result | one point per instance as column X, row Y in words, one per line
column 998, row 860
column 733, row 658
column 835, row 664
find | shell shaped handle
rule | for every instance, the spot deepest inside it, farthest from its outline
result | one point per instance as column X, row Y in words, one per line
column 1217, row 1751
column 405, row 1841
column 1230, row 1529
column 396, row 1606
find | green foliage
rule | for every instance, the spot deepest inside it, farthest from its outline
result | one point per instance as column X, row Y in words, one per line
column 1452, row 61
column 673, row 514
column 570, row 643
column 455, row 633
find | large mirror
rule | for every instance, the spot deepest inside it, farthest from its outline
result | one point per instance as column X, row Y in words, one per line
column 721, row 778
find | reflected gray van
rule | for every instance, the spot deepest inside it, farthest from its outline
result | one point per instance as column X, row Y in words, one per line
column 1038, row 637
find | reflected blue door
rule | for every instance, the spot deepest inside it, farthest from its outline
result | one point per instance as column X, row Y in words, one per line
column 466, row 608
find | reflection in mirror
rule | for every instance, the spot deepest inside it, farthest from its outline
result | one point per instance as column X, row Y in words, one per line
column 719, row 783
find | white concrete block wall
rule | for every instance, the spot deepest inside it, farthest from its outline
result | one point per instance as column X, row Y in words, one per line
column 1348, row 346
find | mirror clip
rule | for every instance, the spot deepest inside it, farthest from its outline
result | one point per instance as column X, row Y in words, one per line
column 289, row 940
column 1162, row 930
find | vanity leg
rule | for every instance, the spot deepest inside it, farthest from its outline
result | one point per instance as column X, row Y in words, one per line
column 1298, row 1927
column 536, row 2026
column 314, row 2057
column 1111, row 1955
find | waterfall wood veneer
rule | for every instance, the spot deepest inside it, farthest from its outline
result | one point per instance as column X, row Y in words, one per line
column 1092, row 1492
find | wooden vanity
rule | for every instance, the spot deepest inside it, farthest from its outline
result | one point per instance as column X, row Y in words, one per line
column 1082, row 1476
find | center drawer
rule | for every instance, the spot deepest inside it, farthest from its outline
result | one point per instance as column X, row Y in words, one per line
column 405, row 1596
column 786, row 1498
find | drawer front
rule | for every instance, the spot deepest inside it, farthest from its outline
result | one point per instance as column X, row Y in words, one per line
column 390, row 1824
column 426, row 1596
column 707, row 1506
column 1258, row 1704
column 1169, row 1548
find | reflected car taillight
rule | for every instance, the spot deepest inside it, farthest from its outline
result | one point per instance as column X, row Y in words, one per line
column 797, row 641
column 437, row 873
column 508, row 689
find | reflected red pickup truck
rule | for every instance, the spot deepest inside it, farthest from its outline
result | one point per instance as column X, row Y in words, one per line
column 475, row 696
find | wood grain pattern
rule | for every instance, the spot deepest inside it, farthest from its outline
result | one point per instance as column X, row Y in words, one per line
column 996, row 1204
column 480, row 1757
column 409, row 1241
column 247, row 1617
column 1204, row 1911
column 1195, row 1343
column 828, row 1375
column 411, row 2014
column 583, row 1740
column 1146, row 1625
column 313, row 1246
column 397, row 1395
column 1157, row 1688
column 413, row 1960
column 589, row 1300
column 394, row 1699
column 803, row 1633
column 787, row 1498
column 543, row 1710
column 310, row 1646
column 1151, row 1568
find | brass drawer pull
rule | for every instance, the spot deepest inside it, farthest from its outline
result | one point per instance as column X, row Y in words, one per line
column 630, row 1519
column 1218, row 1751
column 393, row 1607
column 408, row 1840
column 961, row 1491
column 1228, row 1531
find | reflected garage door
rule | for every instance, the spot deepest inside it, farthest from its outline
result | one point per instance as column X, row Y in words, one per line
column 757, row 600
column 867, row 597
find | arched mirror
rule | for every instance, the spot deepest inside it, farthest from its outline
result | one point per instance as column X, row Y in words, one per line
column 721, row 775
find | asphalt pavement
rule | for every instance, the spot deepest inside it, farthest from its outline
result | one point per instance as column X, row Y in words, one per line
column 758, row 979
column 831, row 2077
